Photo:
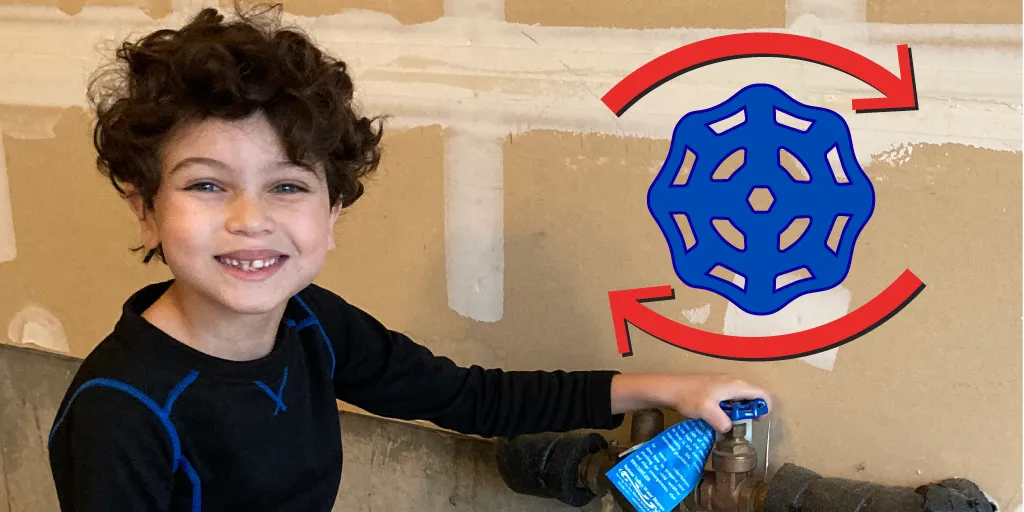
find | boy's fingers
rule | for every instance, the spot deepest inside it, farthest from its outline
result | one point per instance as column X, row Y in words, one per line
column 748, row 391
column 719, row 420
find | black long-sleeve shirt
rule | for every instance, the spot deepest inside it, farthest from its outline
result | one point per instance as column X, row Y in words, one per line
column 151, row 424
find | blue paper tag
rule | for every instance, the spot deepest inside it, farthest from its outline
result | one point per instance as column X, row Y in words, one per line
column 660, row 473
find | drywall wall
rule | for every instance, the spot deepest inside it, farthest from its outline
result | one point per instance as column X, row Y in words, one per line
column 935, row 11
column 510, row 201
column 738, row 14
column 403, row 11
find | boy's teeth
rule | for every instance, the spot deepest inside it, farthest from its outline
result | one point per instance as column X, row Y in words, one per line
column 250, row 265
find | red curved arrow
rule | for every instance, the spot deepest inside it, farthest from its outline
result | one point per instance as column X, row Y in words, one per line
column 899, row 93
column 626, row 306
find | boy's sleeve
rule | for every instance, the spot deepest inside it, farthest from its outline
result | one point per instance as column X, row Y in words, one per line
column 109, row 452
column 388, row 374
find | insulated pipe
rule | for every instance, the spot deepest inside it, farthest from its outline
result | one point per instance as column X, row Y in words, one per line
column 797, row 489
column 548, row 465
column 571, row 467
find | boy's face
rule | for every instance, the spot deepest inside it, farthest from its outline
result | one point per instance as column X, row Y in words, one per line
column 238, row 224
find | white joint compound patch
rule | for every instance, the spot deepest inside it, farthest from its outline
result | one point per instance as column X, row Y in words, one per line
column 896, row 156
column 37, row 326
column 698, row 315
column 803, row 313
column 800, row 12
column 474, row 230
column 8, row 248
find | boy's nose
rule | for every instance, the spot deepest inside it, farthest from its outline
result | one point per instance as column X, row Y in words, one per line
column 246, row 216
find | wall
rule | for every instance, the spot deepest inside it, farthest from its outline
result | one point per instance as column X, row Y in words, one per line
column 510, row 201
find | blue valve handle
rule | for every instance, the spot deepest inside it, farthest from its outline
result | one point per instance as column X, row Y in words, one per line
column 739, row 410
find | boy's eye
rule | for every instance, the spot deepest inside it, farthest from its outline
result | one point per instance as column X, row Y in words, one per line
column 204, row 186
column 290, row 188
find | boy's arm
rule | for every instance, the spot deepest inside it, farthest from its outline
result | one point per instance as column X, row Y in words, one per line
column 693, row 395
column 109, row 452
column 388, row 374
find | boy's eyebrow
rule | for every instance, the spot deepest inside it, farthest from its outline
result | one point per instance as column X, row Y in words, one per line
column 212, row 162
column 197, row 160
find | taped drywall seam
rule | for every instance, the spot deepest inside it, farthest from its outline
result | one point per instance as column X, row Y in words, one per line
column 805, row 312
column 446, row 72
column 474, row 199
column 8, row 247
column 474, row 223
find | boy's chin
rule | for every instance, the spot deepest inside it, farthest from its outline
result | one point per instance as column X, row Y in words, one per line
column 248, row 302
column 255, row 304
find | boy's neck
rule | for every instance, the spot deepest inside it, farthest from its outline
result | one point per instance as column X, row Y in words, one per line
column 209, row 328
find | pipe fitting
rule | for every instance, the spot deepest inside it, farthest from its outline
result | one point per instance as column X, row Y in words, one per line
column 646, row 424
column 730, row 486
column 734, row 454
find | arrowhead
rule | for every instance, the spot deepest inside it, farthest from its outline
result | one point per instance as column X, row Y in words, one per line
column 899, row 93
column 625, row 303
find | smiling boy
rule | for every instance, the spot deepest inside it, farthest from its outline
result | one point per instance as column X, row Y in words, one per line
column 236, row 146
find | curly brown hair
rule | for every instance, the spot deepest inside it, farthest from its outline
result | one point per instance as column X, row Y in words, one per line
column 229, row 70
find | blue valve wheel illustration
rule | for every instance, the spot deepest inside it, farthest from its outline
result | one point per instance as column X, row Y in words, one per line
column 761, row 199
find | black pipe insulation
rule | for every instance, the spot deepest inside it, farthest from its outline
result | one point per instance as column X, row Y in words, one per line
column 797, row 489
column 547, row 465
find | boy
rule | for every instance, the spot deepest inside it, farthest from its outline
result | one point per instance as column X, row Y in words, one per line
column 236, row 147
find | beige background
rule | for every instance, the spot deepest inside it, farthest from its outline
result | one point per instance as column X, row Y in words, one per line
column 934, row 392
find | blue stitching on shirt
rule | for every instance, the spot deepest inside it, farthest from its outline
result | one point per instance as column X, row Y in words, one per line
column 196, row 489
column 163, row 413
column 323, row 333
column 306, row 323
column 279, row 397
column 186, row 382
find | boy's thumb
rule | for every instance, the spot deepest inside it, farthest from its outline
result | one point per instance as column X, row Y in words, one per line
column 719, row 421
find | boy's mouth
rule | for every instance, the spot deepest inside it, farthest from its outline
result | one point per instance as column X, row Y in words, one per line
column 251, row 265
column 252, row 261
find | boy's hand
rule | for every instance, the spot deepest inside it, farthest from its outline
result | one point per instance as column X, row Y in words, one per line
column 693, row 396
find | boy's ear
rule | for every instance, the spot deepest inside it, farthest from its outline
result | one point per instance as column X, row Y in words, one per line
column 335, row 213
column 135, row 202
column 147, row 225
